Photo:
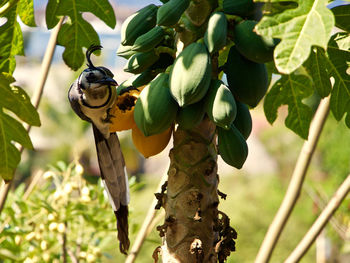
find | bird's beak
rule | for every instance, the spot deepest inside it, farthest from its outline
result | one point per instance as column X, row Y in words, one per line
column 108, row 81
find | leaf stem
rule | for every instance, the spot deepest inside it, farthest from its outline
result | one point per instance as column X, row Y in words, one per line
column 295, row 184
column 45, row 66
column 7, row 6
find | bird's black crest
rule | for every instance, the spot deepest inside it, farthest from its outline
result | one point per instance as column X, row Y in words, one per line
column 89, row 51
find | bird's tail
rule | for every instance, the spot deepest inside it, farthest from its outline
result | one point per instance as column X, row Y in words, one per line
column 115, row 180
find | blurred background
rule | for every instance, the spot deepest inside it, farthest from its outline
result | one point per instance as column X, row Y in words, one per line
column 254, row 192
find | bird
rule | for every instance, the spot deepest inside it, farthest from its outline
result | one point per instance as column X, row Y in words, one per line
column 92, row 96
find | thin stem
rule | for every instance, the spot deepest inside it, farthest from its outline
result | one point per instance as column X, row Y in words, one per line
column 320, row 222
column 146, row 226
column 64, row 244
column 45, row 66
column 320, row 203
column 7, row 6
column 295, row 184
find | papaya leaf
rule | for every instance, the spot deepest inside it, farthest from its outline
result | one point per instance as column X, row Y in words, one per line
column 77, row 33
column 16, row 100
column 309, row 24
column 291, row 90
column 50, row 14
column 25, row 11
column 347, row 120
column 10, row 156
column 317, row 68
column 11, row 40
column 74, row 35
column 338, row 65
column 342, row 17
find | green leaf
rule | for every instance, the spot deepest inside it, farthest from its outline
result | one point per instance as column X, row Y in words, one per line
column 338, row 65
column 308, row 25
column 75, row 35
column 25, row 10
column 342, row 17
column 16, row 100
column 77, row 32
column 50, row 14
column 347, row 120
column 291, row 90
column 317, row 67
column 10, row 156
column 11, row 40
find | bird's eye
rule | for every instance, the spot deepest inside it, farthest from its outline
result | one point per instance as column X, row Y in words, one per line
column 91, row 77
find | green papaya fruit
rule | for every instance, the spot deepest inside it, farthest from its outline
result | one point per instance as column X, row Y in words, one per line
column 247, row 80
column 140, row 62
column 238, row 7
column 125, row 51
column 164, row 61
column 243, row 120
column 155, row 109
column 138, row 24
column 149, row 40
column 232, row 146
column 144, row 78
column 252, row 46
column 170, row 13
column 220, row 104
column 191, row 74
column 190, row 116
column 215, row 36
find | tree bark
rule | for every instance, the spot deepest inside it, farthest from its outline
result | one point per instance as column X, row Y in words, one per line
column 192, row 229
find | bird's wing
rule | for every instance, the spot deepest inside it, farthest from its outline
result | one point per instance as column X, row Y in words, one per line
column 114, row 177
column 74, row 96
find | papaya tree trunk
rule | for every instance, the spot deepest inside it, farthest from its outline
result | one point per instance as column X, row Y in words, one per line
column 192, row 230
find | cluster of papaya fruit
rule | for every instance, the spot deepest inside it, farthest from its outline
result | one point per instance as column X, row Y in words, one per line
column 183, row 89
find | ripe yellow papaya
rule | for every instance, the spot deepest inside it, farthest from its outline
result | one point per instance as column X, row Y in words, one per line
column 232, row 146
column 150, row 145
column 155, row 109
column 190, row 76
column 122, row 114
column 246, row 79
column 220, row 104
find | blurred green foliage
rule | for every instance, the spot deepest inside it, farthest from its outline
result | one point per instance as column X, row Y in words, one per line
column 64, row 212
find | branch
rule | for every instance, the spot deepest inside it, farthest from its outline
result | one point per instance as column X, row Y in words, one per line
column 45, row 66
column 321, row 204
column 295, row 184
column 320, row 222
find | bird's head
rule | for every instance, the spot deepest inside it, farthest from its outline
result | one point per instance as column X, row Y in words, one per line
column 95, row 79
